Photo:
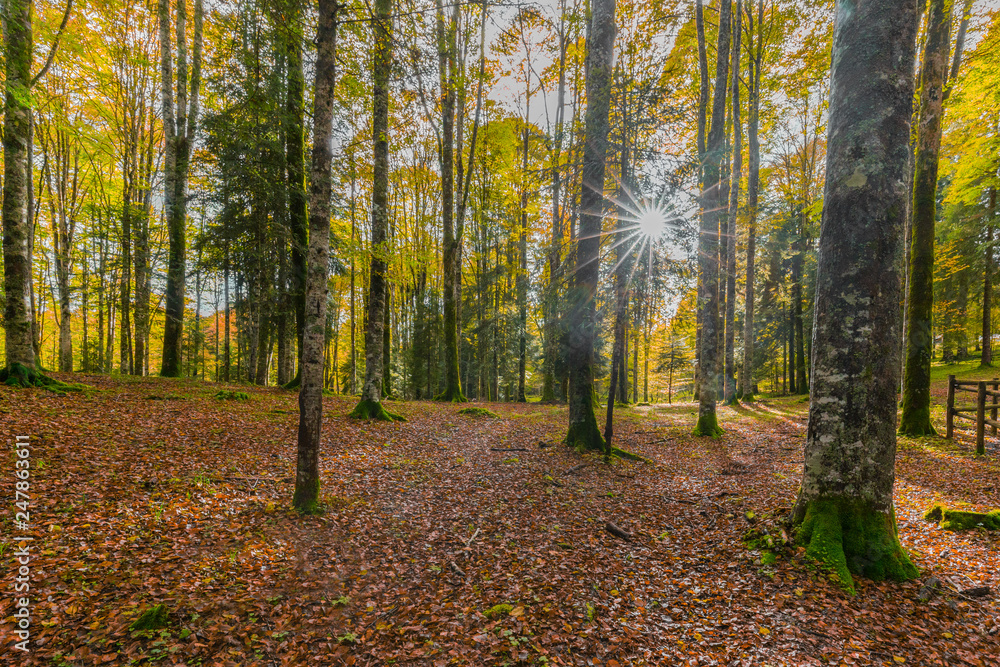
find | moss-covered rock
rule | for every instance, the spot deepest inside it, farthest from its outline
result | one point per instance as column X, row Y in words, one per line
column 847, row 536
column 153, row 618
column 498, row 610
column 226, row 395
column 934, row 513
column 962, row 520
column 478, row 412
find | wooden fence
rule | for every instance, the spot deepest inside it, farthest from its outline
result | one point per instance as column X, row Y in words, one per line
column 983, row 389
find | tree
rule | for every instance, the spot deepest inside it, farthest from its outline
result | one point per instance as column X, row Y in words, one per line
column 179, row 127
column 583, row 432
column 295, row 166
column 916, row 404
column 17, row 126
column 714, row 206
column 734, row 209
column 311, row 393
column 370, row 406
column 844, row 512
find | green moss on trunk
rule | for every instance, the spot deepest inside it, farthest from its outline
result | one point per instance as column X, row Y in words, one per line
column 18, row 375
column 708, row 425
column 847, row 536
column 453, row 394
column 585, row 435
column 369, row 409
column 305, row 500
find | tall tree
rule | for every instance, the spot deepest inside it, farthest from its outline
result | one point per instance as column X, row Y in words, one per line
column 179, row 125
column 314, row 341
column 713, row 213
column 16, row 221
column 370, row 406
column 735, row 181
column 844, row 512
column 986, row 353
column 582, row 317
column 295, row 165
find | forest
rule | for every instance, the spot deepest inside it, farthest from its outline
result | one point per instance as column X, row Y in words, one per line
column 500, row 332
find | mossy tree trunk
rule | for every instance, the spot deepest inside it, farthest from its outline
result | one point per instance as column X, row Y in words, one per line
column 844, row 512
column 916, row 404
column 583, row 431
column 713, row 213
column 370, row 406
column 986, row 358
column 18, row 342
column 306, row 495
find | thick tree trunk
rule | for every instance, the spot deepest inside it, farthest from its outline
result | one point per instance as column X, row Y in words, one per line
column 712, row 214
column 370, row 405
column 583, row 431
column 306, row 496
column 916, row 404
column 16, row 220
column 844, row 512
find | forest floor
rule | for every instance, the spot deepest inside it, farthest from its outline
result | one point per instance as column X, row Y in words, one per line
column 152, row 491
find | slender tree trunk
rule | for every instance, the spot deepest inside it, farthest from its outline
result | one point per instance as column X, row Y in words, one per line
column 522, row 264
column 986, row 358
column 734, row 209
column 18, row 344
column 295, row 168
column 916, row 404
column 370, row 405
column 753, row 192
column 844, row 513
column 306, row 497
column 713, row 207
column 703, row 92
column 583, row 432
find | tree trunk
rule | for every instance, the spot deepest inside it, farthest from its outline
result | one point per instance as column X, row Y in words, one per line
column 370, row 405
column 583, row 432
column 306, row 496
column 178, row 134
column 713, row 210
column 986, row 359
column 916, row 404
column 295, row 169
column 16, row 220
column 734, row 208
column 844, row 512
column 753, row 192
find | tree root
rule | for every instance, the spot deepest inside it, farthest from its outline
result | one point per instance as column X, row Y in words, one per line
column 20, row 376
column 369, row 409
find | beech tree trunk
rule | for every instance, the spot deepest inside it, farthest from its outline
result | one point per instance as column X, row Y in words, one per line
column 178, row 134
column 986, row 358
column 734, row 208
column 713, row 214
column 370, row 405
column 18, row 344
column 583, row 431
column 306, row 496
column 295, row 169
column 844, row 512
column 753, row 193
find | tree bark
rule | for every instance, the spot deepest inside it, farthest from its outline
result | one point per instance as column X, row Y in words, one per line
column 844, row 513
column 712, row 214
column 986, row 358
column 735, row 179
column 916, row 403
column 583, row 432
column 370, row 406
column 306, row 496
column 18, row 342
column 295, row 168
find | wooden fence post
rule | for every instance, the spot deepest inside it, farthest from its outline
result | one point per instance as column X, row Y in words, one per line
column 981, row 420
column 950, row 417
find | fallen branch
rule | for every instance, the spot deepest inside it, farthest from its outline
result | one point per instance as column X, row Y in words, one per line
column 469, row 541
column 617, row 532
column 680, row 500
column 576, row 468
column 508, row 449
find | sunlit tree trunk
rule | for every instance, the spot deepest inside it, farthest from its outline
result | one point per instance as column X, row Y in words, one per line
column 844, row 513
column 734, row 208
column 699, row 19
column 583, row 432
column 986, row 357
column 306, row 496
column 712, row 215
